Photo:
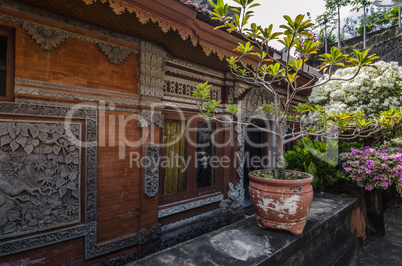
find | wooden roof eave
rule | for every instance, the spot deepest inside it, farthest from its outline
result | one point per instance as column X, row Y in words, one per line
column 173, row 15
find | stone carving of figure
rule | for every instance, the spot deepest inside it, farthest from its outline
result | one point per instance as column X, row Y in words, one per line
column 7, row 192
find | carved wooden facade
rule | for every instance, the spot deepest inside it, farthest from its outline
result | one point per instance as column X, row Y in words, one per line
column 67, row 176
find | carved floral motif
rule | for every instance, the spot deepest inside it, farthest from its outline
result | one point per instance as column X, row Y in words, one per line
column 149, row 117
column 115, row 53
column 48, row 38
column 152, row 69
column 254, row 99
column 151, row 171
column 39, row 176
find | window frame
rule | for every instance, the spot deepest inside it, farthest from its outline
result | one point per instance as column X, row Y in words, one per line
column 9, row 33
column 191, row 174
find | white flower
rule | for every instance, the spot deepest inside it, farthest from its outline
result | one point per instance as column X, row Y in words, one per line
column 373, row 90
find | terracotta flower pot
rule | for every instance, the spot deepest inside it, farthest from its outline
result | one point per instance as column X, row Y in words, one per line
column 281, row 204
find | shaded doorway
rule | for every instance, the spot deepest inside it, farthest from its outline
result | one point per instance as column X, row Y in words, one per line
column 255, row 150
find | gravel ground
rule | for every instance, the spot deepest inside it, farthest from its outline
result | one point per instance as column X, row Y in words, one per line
column 386, row 250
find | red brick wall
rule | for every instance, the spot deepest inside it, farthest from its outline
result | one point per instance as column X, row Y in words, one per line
column 75, row 62
column 56, row 254
column 118, row 184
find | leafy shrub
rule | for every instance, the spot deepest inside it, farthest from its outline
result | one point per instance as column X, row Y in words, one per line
column 374, row 89
column 319, row 158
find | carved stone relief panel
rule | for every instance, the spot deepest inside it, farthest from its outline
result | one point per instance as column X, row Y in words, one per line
column 236, row 90
column 152, row 69
column 39, row 176
column 151, row 171
column 254, row 99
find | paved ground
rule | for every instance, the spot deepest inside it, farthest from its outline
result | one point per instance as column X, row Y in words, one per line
column 386, row 250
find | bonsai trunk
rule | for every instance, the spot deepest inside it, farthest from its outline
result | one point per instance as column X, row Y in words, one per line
column 281, row 160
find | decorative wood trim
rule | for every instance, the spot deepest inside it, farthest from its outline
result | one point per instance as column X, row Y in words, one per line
column 45, row 239
column 47, row 38
column 74, row 96
column 145, row 16
column 183, row 88
column 115, row 53
column 63, row 20
column 71, row 105
column 68, row 88
column 190, row 220
column 152, row 70
column 151, row 171
column 149, row 117
column 188, row 206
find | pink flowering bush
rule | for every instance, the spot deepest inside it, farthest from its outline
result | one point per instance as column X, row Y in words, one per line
column 378, row 167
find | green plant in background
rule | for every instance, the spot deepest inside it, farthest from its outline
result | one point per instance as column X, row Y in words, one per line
column 320, row 159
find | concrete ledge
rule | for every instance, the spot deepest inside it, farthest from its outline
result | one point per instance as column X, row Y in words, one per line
column 244, row 243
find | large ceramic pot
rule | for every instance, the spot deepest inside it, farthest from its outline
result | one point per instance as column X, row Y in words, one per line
column 281, row 204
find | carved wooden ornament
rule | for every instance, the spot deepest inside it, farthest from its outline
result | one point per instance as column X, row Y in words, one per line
column 151, row 171
column 48, row 38
column 115, row 53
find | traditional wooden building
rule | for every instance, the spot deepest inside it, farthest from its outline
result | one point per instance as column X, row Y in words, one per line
column 89, row 89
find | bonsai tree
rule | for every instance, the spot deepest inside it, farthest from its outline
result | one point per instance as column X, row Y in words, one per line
column 270, row 70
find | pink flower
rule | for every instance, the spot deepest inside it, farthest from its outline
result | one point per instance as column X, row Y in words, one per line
column 369, row 187
column 361, row 169
column 384, row 185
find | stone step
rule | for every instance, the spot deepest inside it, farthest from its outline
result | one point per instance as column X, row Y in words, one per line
column 244, row 243
column 341, row 252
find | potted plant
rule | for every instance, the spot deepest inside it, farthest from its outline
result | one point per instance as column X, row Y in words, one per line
column 286, row 207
